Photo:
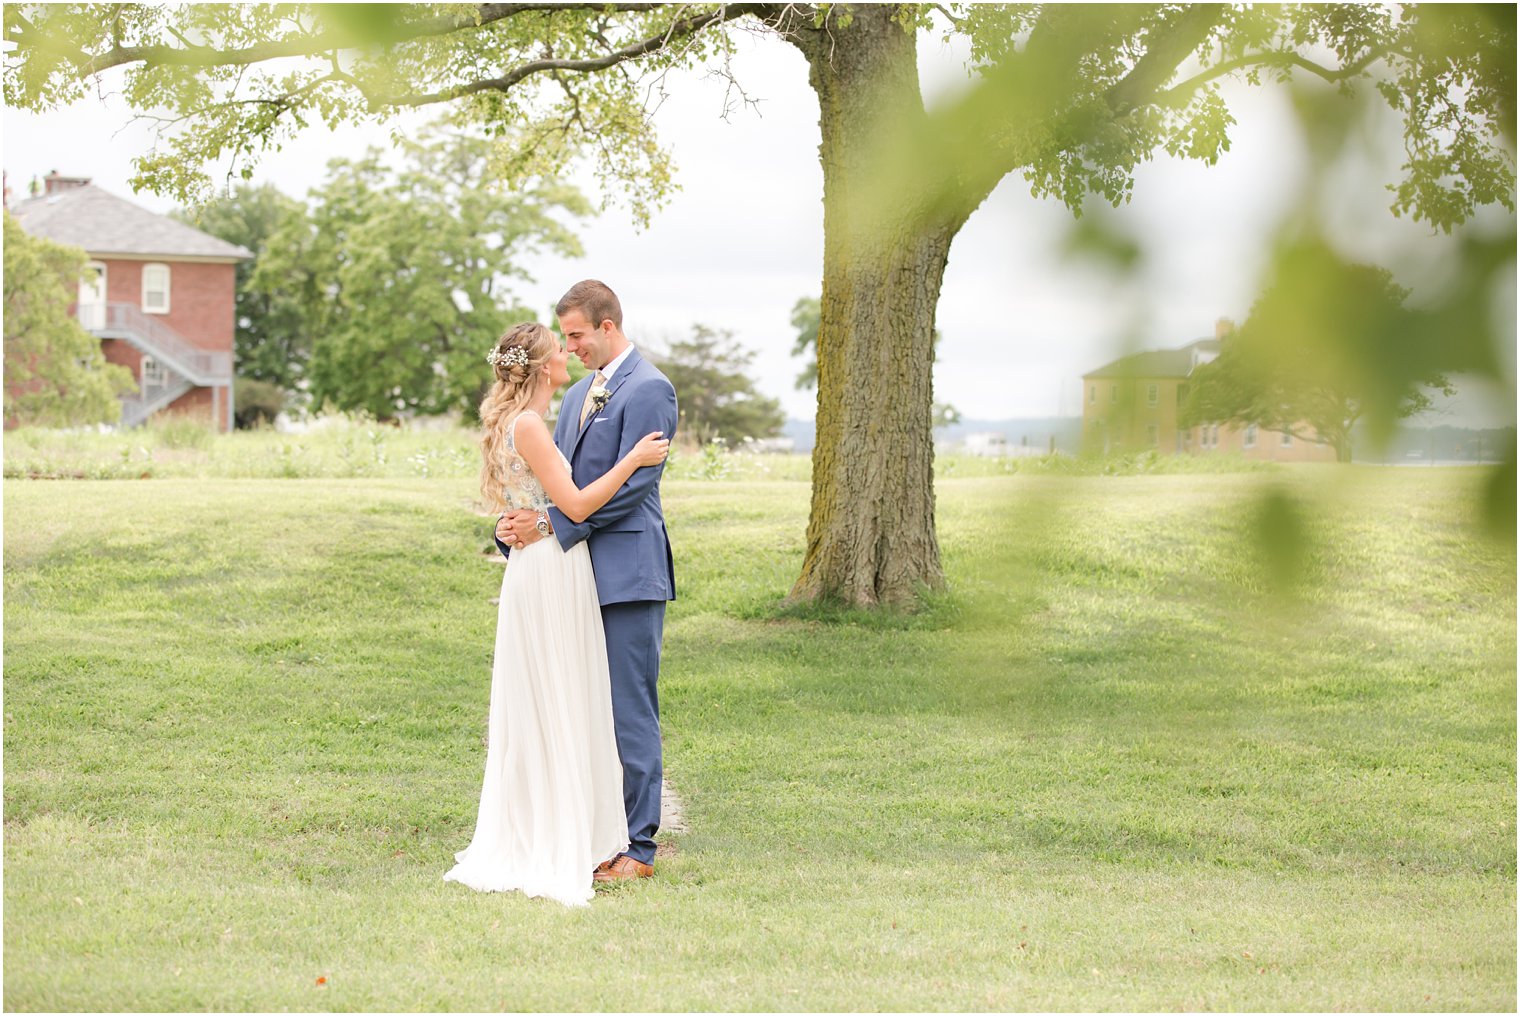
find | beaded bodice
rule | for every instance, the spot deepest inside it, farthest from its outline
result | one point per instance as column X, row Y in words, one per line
column 521, row 488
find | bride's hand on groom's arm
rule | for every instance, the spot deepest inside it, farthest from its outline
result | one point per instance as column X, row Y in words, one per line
column 518, row 528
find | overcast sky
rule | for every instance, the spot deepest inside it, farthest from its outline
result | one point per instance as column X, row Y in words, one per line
column 743, row 239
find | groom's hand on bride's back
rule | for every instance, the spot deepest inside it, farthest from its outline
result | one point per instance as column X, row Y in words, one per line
column 518, row 528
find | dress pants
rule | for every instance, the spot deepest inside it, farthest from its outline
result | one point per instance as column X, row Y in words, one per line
column 635, row 632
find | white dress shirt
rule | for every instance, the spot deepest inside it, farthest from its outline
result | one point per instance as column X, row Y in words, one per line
column 610, row 371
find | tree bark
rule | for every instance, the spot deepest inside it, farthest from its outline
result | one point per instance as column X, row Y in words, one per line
column 870, row 537
column 1341, row 441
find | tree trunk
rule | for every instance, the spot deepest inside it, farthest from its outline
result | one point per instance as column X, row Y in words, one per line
column 1339, row 435
column 870, row 536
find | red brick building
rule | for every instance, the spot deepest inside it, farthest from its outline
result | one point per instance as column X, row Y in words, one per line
column 162, row 299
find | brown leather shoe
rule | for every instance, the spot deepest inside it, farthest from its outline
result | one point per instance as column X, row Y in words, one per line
column 602, row 867
column 622, row 867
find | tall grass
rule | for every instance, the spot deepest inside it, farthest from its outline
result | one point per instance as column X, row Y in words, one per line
column 341, row 446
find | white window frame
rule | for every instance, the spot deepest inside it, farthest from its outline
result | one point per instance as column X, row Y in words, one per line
column 1287, row 440
column 1152, row 395
column 1113, row 395
column 1250, row 441
column 1153, row 434
column 147, row 307
column 1092, row 394
column 100, row 288
column 152, row 367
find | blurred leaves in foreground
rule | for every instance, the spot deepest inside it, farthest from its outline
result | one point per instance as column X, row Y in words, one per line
column 1329, row 344
column 1346, row 330
column 1283, row 537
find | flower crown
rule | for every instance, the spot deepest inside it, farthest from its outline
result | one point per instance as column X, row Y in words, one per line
column 512, row 356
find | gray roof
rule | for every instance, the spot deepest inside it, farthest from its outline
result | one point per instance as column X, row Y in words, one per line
column 104, row 224
column 1160, row 363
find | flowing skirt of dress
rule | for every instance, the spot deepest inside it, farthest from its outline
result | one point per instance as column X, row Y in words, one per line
column 551, row 807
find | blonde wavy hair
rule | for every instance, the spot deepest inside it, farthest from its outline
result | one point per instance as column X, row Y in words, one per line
column 514, row 388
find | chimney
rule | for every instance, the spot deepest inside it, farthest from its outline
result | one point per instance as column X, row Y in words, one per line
column 55, row 184
column 1223, row 327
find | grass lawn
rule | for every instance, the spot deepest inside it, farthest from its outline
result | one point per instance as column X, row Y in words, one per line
column 1109, row 769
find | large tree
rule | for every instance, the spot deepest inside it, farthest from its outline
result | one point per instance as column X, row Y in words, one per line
column 1267, row 372
column 807, row 318
column 272, row 342
column 713, row 386
column 1073, row 97
column 55, row 373
column 400, row 276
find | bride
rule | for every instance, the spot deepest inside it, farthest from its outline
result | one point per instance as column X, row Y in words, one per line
column 551, row 807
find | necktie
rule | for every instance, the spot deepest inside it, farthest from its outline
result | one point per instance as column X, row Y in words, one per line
column 596, row 381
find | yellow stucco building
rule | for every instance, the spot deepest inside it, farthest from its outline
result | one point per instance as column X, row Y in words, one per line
column 1133, row 403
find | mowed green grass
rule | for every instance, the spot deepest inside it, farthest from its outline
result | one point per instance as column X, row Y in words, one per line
column 1110, row 768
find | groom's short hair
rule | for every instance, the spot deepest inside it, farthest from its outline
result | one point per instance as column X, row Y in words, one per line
column 593, row 299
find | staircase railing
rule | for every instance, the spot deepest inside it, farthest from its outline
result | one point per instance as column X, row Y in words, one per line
column 153, row 397
column 201, row 366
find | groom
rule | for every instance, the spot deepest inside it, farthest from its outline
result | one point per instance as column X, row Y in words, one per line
column 600, row 419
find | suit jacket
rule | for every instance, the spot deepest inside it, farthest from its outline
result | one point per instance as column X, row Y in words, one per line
column 630, row 548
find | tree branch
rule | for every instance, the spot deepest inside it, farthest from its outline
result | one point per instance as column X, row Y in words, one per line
column 659, row 40
column 1181, row 92
column 948, row 16
column 1306, row 436
column 303, row 45
column 330, row 43
column 1162, row 58
column 1169, row 46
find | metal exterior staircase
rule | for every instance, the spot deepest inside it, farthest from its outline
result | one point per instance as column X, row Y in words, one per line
column 137, row 408
column 185, row 366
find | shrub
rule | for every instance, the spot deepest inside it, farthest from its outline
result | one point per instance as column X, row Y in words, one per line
column 256, row 403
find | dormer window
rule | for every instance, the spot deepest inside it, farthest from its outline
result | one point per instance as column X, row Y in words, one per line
column 155, row 289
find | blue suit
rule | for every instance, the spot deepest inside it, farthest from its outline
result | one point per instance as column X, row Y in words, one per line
column 635, row 574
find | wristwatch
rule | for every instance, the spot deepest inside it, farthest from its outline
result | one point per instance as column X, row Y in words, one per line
column 542, row 524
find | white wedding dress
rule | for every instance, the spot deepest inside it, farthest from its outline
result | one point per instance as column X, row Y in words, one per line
column 551, row 807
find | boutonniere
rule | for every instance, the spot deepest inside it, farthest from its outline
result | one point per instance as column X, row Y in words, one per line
column 599, row 397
